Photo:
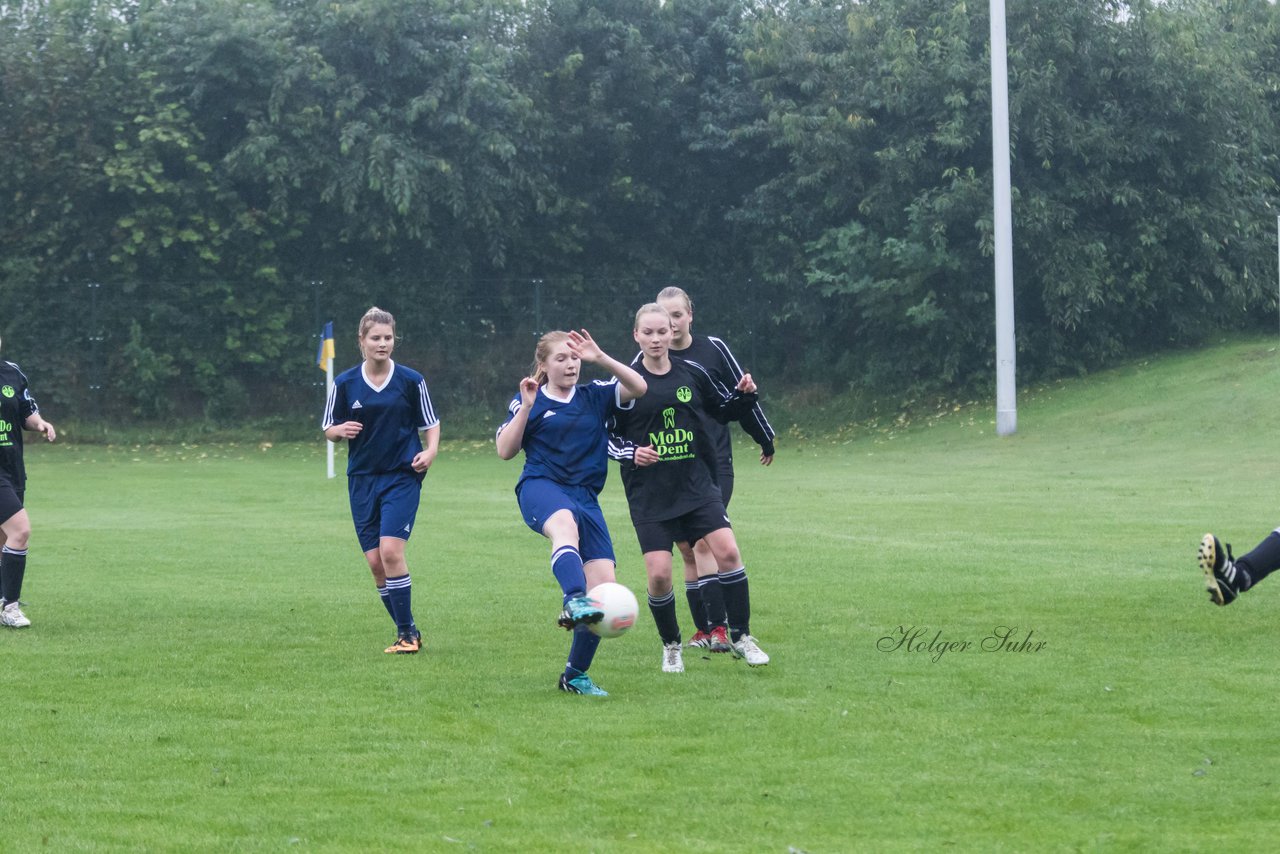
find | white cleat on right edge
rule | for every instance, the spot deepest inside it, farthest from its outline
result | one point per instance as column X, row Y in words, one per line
column 746, row 647
column 672, row 658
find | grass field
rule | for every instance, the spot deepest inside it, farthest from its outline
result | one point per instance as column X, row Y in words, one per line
column 205, row 669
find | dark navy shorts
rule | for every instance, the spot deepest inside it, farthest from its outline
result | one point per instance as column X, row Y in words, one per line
column 689, row 528
column 383, row 505
column 540, row 497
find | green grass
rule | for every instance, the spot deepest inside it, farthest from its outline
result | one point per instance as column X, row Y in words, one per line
column 205, row 669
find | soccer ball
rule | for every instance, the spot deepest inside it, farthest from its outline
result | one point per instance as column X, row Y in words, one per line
column 620, row 609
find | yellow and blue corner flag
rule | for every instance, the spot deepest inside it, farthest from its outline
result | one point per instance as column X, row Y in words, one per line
column 325, row 353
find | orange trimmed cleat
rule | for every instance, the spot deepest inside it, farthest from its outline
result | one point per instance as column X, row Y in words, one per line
column 405, row 645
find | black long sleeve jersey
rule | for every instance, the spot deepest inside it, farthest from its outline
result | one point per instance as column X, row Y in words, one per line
column 715, row 357
column 675, row 416
column 16, row 406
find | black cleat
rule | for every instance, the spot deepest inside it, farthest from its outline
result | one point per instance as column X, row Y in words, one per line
column 1222, row 578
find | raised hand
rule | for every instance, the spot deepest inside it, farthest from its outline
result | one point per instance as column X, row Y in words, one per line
column 528, row 391
column 585, row 346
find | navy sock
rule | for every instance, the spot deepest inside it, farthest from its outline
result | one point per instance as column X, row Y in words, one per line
column 664, row 615
column 713, row 601
column 566, row 564
column 400, row 592
column 693, row 592
column 581, row 651
column 1263, row 560
column 737, row 602
column 385, row 596
column 13, row 565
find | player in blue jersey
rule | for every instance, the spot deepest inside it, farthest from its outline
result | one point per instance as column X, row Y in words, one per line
column 560, row 424
column 18, row 412
column 706, row 602
column 380, row 408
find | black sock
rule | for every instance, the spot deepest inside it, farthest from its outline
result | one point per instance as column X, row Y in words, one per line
column 737, row 602
column 1263, row 560
column 664, row 616
column 712, row 601
column 13, row 565
column 693, row 592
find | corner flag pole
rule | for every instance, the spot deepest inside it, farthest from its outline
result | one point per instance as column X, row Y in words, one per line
column 1006, row 387
column 324, row 361
column 328, row 387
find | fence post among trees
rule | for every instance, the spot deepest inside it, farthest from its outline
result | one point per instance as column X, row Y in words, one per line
column 537, row 308
column 96, row 338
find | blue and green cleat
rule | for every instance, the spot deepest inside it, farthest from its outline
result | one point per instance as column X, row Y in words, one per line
column 580, row 611
column 581, row 684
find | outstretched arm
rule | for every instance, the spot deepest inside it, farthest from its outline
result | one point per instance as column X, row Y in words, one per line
column 754, row 420
column 633, row 385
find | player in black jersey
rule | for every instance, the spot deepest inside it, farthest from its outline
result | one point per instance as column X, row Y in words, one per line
column 700, row 571
column 670, row 486
column 18, row 411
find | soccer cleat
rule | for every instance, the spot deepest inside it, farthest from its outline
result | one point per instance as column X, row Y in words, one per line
column 672, row 658
column 700, row 639
column 580, row 611
column 747, row 648
column 719, row 640
column 581, row 684
column 405, row 645
column 1222, row 578
column 11, row 615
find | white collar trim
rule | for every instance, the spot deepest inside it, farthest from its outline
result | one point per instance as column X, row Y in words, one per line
column 572, row 392
column 391, row 373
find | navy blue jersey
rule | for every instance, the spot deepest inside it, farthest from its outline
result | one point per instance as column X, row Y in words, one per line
column 392, row 414
column 16, row 406
column 566, row 440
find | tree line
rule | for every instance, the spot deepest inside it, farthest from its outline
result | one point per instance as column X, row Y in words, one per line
column 178, row 176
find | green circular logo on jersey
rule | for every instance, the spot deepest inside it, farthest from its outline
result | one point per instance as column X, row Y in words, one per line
column 7, row 391
column 683, row 394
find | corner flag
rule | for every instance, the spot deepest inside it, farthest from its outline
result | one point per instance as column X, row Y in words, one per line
column 324, row 361
column 324, row 357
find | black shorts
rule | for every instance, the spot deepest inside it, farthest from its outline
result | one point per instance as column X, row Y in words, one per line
column 689, row 528
column 725, row 482
column 10, row 500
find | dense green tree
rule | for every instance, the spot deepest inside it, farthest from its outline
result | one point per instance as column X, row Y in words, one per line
column 1141, row 169
column 1146, row 176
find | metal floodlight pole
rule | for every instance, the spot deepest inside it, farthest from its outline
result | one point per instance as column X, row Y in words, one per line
column 1006, row 386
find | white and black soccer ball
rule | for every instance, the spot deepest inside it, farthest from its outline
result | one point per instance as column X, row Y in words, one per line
column 620, row 609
